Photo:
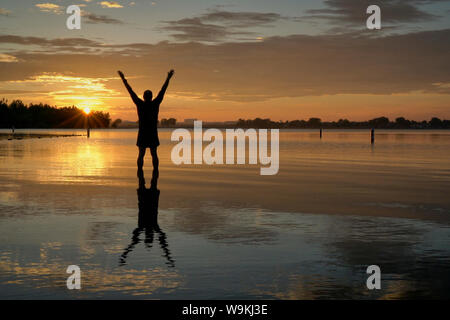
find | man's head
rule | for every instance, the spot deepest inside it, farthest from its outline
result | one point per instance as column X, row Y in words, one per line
column 148, row 96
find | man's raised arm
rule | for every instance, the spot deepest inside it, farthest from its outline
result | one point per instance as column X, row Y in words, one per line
column 133, row 95
column 161, row 94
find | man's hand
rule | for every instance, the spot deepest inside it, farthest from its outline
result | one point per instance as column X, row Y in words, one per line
column 121, row 75
column 170, row 74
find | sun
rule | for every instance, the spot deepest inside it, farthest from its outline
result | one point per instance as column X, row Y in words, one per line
column 87, row 110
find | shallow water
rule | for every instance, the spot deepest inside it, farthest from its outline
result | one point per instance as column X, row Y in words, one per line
column 337, row 206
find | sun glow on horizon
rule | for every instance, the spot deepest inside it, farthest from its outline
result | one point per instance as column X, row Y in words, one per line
column 87, row 110
column 66, row 90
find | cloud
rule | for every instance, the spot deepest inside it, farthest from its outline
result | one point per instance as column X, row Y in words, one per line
column 241, row 19
column 97, row 19
column 39, row 41
column 4, row 12
column 63, row 89
column 219, row 25
column 7, row 58
column 49, row 7
column 110, row 4
column 193, row 29
column 353, row 12
column 278, row 67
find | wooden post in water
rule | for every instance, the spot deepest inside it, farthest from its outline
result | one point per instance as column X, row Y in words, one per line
column 88, row 128
column 87, row 112
column 372, row 136
column 321, row 133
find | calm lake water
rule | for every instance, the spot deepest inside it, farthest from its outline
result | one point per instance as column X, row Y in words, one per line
column 337, row 206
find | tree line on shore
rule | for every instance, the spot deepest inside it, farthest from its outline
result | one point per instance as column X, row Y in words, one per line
column 17, row 114
column 43, row 116
column 316, row 123
column 312, row 123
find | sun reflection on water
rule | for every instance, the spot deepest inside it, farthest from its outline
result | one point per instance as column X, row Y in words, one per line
column 83, row 163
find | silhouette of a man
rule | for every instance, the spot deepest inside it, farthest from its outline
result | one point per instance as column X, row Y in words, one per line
column 148, row 111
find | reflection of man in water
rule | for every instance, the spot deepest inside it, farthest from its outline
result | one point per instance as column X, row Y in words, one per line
column 148, row 111
column 148, row 201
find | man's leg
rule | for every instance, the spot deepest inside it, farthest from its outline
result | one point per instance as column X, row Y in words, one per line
column 140, row 164
column 155, row 160
column 140, row 161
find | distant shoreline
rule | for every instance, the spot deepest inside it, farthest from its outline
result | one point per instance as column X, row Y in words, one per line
column 230, row 127
column 23, row 136
column 16, row 114
column 313, row 123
